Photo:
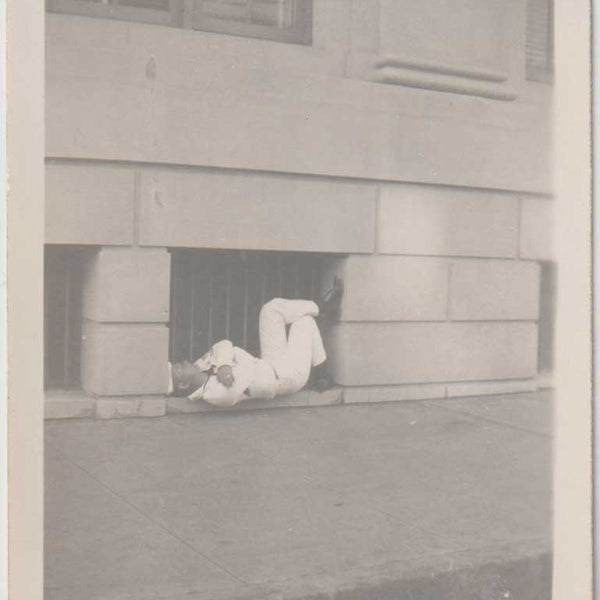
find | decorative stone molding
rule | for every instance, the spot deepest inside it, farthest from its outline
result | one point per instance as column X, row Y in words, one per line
column 441, row 77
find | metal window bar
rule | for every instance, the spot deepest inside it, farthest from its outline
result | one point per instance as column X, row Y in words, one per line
column 245, row 336
column 228, row 302
column 298, row 290
column 67, row 320
column 192, row 317
column 217, row 294
column 210, row 306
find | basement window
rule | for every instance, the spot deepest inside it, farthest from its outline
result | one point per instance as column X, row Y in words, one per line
column 547, row 317
column 63, row 281
column 218, row 294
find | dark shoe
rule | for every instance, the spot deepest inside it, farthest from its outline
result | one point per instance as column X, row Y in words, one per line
column 320, row 380
column 322, row 384
column 329, row 304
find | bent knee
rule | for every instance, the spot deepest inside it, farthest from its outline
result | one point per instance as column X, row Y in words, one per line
column 273, row 303
column 270, row 307
column 306, row 322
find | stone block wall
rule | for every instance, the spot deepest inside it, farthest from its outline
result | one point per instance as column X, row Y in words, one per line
column 125, row 335
column 442, row 286
column 449, row 302
column 418, row 162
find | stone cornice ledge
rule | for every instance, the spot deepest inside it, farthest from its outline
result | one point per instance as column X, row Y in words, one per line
column 441, row 77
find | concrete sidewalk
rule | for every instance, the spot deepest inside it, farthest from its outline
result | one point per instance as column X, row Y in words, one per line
column 431, row 499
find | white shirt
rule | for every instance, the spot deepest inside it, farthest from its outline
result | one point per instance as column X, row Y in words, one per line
column 252, row 377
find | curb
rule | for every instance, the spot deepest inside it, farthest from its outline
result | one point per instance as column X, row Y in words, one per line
column 517, row 572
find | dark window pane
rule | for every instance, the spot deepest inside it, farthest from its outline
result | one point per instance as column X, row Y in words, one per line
column 160, row 12
column 272, row 13
column 152, row 4
column 279, row 20
column 232, row 10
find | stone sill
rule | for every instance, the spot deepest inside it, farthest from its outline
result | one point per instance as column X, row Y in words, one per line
column 73, row 404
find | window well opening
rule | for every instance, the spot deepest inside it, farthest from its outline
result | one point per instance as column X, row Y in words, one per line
column 63, row 284
column 218, row 294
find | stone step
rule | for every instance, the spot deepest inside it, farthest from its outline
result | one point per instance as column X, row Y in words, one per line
column 302, row 398
column 66, row 404
column 522, row 579
column 77, row 404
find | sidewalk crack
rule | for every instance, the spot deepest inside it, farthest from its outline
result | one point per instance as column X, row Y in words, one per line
column 155, row 522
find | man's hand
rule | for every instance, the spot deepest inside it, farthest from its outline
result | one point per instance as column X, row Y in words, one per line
column 225, row 375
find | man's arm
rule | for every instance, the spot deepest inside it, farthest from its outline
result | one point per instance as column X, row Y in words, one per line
column 218, row 393
column 240, row 356
column 222, row 354
column 223, row 357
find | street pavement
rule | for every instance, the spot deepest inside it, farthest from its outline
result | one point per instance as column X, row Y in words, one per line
column 430, row 499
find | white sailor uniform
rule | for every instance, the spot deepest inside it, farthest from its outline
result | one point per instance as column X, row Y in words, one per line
column 286, row 358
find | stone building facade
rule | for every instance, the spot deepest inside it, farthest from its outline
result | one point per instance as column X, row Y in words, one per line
column 234, row 146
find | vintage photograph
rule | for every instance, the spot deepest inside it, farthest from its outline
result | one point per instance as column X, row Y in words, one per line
column 299, row 299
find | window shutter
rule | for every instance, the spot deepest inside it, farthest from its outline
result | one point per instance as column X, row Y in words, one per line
column 539, row 45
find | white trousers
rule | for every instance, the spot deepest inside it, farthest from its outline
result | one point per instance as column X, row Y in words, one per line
column 290, row 354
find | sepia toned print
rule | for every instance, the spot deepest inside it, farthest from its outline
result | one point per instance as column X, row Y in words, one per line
column 299, row 299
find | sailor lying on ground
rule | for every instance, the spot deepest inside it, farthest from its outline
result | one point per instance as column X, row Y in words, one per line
column 291, row 352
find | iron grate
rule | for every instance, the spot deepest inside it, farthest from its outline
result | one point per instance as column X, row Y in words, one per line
column 218, row 294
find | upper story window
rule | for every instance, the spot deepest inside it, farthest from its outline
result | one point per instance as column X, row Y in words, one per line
column 540, row 40
column 278, row 20
column 147, row 11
